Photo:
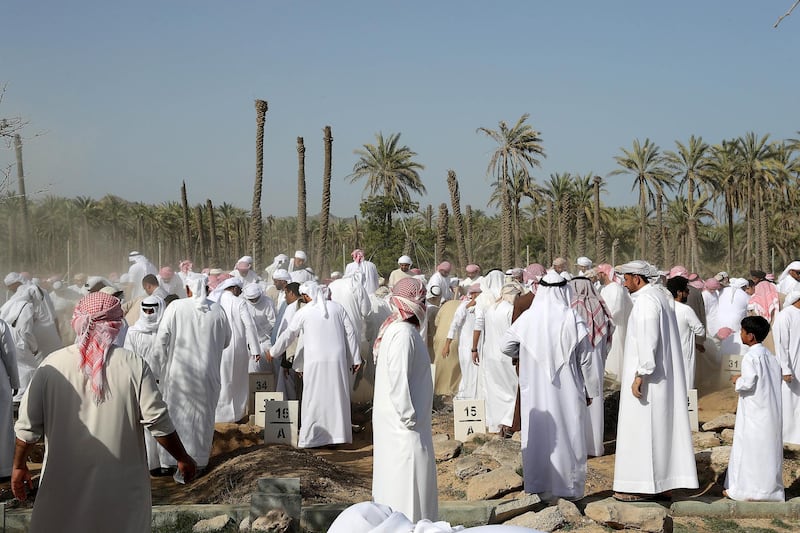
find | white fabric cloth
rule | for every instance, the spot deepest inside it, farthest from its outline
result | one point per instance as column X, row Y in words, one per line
column 190, row 340
column 330, row 349
column 499, row 376
column 286, row 383
column 688, row 326
column 9, row 380
column 139, row 268
column 755, row 469
column 654, row 442
column 443, row 283
column 471, row 385
column 787, row 283
column 732, row 308
column 243, row 347
column 404, row 462
column 786, row 334
column 395, row 276
column 18, row 312
column 95, row 475
column 174, row 286
column 247, row 279
column 353, row 297
column 366, row 272
column 711, row 302
column 264, row 315
column 45, row 320
column 555, row 378
column 619, row 304
column 302, row 275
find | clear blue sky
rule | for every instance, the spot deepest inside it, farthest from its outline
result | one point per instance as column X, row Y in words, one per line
column 131, row 98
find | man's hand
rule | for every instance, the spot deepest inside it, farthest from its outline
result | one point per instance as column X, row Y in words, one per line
column 257, row 357
column 356, row 368
column 268, row 356
column 735, row 377
column 636, row 387
column 21, row 483
column 187, row 467
column 446, row 348
column 588, row 401
column 787, row 378
column 476, row 360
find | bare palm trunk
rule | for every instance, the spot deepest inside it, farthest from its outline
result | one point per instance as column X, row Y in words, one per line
column 187, row 234
column 580, row 233
column 597, row 237
column 468, row 214
column 458, row 221
column 694, row 247
column 662, row 230
column 642, row 220
column 550, row 232
column 357, row 244
column 212, row 232
column 749, row 251
column 23, row 201
column 764, row 262
column 601, row 247
column 506, row 230
column 256, row 229
column 441, row 232
column 302, row 224
column 429, row 217
column 198, row 218
column 563, row 226
column 325, row 214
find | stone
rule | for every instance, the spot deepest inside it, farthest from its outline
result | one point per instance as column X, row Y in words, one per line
column 493, row 484
column 507, row 452
column 444, row 450
column 548, row 519
column 702, row 440
column 274, row 522
column 261, row 504
column 720, row 457
column 440, row 437
column 244, row 525
column 570, row 511
column 466, row 467
column 726, row 421
column 649, row 517
column 271, row 485
column 508, row 509
column 726, row 436
column 216, row 524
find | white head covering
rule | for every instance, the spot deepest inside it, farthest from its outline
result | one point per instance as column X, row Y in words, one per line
column 738, row 283
column 318, row 295
column 280, row 261
column 404, row 260
column 252, row 291
column 282, row 275
column 642, row 268
column 197, row 284
column 791, row 298
column 12, row 278
column 226, row 284
column 149, row 323
column 583, row 262
column 786, row 282
column 491, row 289
column 300, row 254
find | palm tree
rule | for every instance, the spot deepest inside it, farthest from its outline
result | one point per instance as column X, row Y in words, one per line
column 559, row 191
column 187, row 236
column 441, row 233
column 581, row 199
column 325, row 213
column 689, row 163
column 302, row 224
column 458, row 221
column 256, row 224
column 517, row 150
column 646, row 164
column 722, row 168
column 389, row 170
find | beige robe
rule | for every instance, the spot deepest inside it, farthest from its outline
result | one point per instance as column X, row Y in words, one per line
column 95, row 474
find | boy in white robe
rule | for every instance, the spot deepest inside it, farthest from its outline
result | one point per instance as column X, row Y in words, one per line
column 756, row 463
column 786, row 333
column 689, row 326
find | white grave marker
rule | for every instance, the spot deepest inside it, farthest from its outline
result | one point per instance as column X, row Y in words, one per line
column 262, row 399
column 469, row 417
column 281, row 422
column 732, row 363
column 694, row 422
column 433, row 376
column 259, row 382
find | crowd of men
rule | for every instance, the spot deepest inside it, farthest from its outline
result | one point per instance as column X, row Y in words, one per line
column 535, row 344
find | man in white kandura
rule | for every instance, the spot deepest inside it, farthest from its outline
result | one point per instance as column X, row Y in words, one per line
column 556, row 383
column 404, row 462
column 366, row 270
column 786, row 333
column 463, row 325
column 9, row 383
column 654, row 440
column 619, row 304
column 190, row 339
column 330, row 354
column 243, row 349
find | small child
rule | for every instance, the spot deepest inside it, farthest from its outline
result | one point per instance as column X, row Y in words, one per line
column 755, row 470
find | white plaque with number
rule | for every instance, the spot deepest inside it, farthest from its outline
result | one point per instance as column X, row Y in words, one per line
column 469, row 417
column 433, row 376
column 281, row 422
column 694, row 422
column 259, row 382
column 262, row 399
column 732, row 363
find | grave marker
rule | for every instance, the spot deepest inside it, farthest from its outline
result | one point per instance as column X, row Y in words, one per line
column 469, row 418
column 259, row 382
column 694, row 422
column 281, row 422
column 262, row 399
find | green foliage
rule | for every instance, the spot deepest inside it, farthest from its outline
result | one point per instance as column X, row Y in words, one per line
column 384, row 240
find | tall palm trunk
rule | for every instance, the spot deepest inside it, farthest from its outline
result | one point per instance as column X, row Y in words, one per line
column 506, row 237
column 458, row 221
column 256, row 229
column 468, row 221
column 694, row 246
column 764, row 264
column 563, row 226
column 750, row 253
column 580, row 233
column 549, row 234
column 23, row 201
column 441, row 233
column 601, row 247
column 187, row 234
column 729, row 217
column 597, row 237
column 642, row 220
column 212, row 232
column 662, row 229
column 325, row 214
column 429, row 217
column 302, row 224
column 356, row 244
column 198, row 218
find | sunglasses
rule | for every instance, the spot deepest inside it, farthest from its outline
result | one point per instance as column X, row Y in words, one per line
column 148, row 310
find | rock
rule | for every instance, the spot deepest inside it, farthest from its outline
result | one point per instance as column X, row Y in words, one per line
column 649, row 517
column 720, row 456
column 274, row 522
column 507, row 452
column 702, row 440
column 467, row 467
column 610, row 409
column 726, row 421
column 244, row 525
column 444, row 450
column 493, row 484
column 508, row 509
column 216, row 524
column 440, row 437
column 727, row 436
column 548, row 520
column 570, row 511
column 712, row 464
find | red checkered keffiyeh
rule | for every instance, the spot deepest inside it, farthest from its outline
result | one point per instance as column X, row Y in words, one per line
column 592, row 309
column 97, row 319
column 407, row 300
column 357, row 255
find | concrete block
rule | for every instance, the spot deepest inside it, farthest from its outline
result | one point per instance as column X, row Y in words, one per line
column 272, row 485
